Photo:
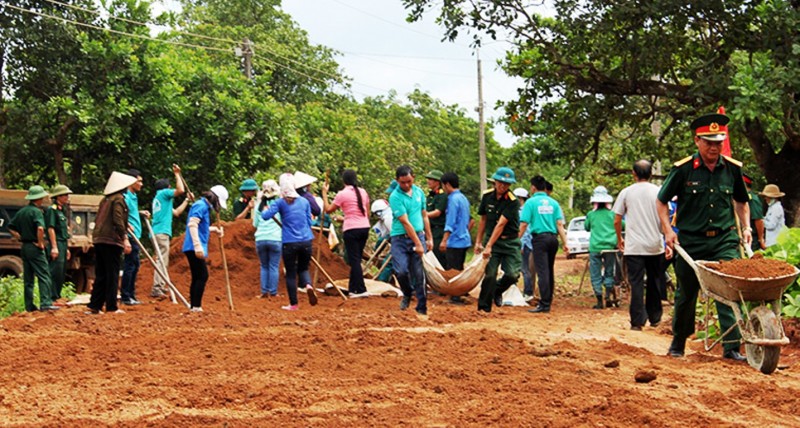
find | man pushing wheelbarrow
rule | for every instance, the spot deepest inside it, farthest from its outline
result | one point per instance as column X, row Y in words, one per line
column 709, row 187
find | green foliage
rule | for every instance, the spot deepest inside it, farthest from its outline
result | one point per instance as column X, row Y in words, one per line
column 626, row 78
column 787, row 248
column 12, row 298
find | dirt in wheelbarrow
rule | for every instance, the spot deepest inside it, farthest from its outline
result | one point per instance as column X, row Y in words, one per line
column 753, row 268
column 364, row 362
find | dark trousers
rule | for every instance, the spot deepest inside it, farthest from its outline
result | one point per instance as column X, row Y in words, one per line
column 721, row 247
column 296, row 257
column 354, row 242
column 645, row 298
column 34, row 264
column 130, row 268
column 505, row 254
column 545, row 247
column 58, row 268
column 199, row 270
column 106, row 281
column 408, row 270
column 438, row 234
column 455, row 258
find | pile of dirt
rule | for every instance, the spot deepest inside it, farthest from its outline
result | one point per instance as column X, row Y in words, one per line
column 243, row 264
column 449, row 273
column 753, row 268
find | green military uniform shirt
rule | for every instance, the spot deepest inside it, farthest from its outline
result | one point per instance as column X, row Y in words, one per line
column 26, row 222
column 507, row 206
column 239, row 205
column 705, row 198
column 57, row 219
column 437, row 201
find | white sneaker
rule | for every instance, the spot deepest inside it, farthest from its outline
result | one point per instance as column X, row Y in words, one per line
column 196, row 309
column 359, row 295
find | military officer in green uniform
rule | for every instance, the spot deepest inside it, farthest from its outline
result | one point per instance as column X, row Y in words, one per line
column 709, row 188
column 436, row 204
column 28, row 226
column 499, row 211
column 756, row 215
column 57, row 225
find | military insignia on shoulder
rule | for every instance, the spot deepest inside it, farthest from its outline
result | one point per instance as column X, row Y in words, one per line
column 511, row 196
column 488, row 191
column 733, row 161
column 682, row 161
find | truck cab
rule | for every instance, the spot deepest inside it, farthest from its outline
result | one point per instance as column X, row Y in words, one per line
column 80, row 268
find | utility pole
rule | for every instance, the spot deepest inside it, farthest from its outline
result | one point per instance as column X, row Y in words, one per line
column 247, row 54
column 481, row 129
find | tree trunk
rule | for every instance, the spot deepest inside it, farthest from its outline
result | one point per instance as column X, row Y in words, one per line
column 779, row 168
column 57, row 146
column 3, row 118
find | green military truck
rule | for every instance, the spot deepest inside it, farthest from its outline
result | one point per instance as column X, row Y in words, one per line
column 80, row 267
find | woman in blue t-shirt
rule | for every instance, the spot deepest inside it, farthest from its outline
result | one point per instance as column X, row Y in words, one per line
column 195, row 243
column 296, row 237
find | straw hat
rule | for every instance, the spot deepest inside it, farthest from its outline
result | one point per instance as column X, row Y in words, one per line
column 288, row 186
column 118, row 181
column 35, row 193
column 601, row 196
column 772, row 191
column 301, row 179
column 60, row 190
column 270, row 188
column 222, row 195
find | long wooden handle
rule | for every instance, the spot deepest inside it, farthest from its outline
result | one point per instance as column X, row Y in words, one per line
column 319, row 267
column 225, row 266
column 163, row 276
column 160, row 257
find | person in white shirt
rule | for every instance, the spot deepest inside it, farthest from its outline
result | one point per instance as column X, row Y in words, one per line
column 774, row 219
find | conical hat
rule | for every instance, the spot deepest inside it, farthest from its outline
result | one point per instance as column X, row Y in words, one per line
column 301, row 179
column 117, row 182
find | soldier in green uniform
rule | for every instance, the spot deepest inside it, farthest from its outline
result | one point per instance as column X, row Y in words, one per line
column 499, row 211
column 55, row 220
column 709, row 187
column 436, row 204
column 28, row 226
column 756, row 215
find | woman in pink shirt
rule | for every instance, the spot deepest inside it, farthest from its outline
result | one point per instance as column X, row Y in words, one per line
column 354, row 202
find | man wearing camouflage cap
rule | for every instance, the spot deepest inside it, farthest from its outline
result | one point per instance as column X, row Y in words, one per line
column 499, row 211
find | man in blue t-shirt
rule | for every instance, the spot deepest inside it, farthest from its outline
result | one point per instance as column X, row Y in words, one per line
column 410, row 228
column 163, row 212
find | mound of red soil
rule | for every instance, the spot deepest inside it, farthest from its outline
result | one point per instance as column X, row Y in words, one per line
column 243, row 264
column 753, row 268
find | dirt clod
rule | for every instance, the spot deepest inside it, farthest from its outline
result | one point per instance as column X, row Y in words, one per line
column 612, row 364
column 645, row 376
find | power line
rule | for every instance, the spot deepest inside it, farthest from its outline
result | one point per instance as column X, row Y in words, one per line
column 110, row 30
column 416, row 69
column 433, row 58
column 186, row 33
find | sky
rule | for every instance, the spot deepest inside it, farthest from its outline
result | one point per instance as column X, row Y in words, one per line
column 380, row 52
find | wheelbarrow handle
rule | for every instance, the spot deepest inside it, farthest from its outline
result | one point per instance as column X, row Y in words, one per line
column 685, row 256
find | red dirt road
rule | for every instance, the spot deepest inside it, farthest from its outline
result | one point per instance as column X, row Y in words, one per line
column 365, row 363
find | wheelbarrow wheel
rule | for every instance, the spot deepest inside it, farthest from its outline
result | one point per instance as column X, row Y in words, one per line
column 764, row 325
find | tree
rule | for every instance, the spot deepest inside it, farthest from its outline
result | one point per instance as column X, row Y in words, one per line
column 607, row 72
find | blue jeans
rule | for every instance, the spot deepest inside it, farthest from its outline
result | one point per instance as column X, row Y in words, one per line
column 408, row 268
column 130, row 268
column 296, row 257
column 269, row 253
column 528, row 280
column 601, row 271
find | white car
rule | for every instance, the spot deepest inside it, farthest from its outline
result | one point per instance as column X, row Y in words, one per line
column 577, row 237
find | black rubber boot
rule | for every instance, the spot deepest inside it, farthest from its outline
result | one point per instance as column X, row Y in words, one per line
column 609, row 298
column 599, row 304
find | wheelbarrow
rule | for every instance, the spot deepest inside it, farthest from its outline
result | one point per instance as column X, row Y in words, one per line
column 761, row 328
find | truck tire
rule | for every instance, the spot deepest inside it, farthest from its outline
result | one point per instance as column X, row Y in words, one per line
column 10, row 265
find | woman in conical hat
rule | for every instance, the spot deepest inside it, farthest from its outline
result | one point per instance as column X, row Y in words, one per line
column 774, row 219
column 110, row 240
